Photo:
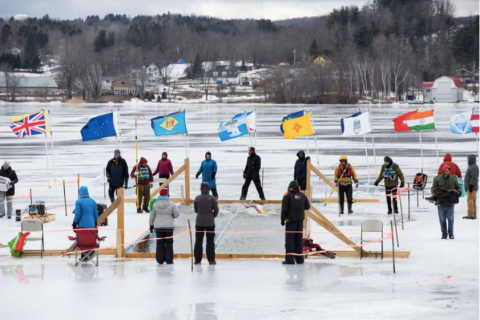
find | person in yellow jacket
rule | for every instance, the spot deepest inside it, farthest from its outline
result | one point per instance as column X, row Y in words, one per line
column 344, row 174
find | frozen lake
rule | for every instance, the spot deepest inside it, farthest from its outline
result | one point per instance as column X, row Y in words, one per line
column 440, row 280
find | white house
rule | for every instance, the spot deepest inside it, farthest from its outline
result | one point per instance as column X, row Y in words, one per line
column 443, row 89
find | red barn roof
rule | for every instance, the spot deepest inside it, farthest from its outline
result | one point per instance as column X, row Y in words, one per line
column 458, row 83
column 427, row 85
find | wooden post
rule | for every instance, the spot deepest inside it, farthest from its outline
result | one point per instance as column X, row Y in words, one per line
column 78, row 186
column 121, row 223
column 182, row 194
column 31, row 198
column 65, row 197
column 408, row 201
column 393, row 246
column 309, row 196
column 187, row 181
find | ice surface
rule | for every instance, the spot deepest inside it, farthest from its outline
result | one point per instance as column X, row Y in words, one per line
column 439, row 281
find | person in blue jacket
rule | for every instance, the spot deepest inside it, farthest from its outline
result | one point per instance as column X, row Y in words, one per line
column 86, row 216
column 208, row 170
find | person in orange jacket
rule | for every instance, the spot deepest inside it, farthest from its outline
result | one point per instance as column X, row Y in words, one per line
column 144, row 178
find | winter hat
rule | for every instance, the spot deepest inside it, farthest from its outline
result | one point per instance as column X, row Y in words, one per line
column 446, row 166
column 387, row 159
column 6, row 163
column 343, row 157
column 164, row 192
column 117, row 151
column 293, row 184
column 252, row 149
column 143, row 161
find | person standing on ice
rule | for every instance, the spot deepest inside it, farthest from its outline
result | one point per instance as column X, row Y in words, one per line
column 7, row 196
column 208, row 170
column 252, row 173
column 471, row 186
column 294, row 204
column 164, row 168
column 390, row 173
column 144, row 177
column 454, row 169
column 117, row 174
column 442, row 185
column 162, row 220
column 206, row 208
column 86, row 216
column 344, row 174
column 300, row 170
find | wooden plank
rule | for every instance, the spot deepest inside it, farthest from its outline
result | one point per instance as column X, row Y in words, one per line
column 335, row 200
column 45, row 219
column 166, row 183
column 324, row 178
column 340, row 254
column 324, row 222
column 121, row 223
column 51, row 253
column 187, row 181
column 109, row 210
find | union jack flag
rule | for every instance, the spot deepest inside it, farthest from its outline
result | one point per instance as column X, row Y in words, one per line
column 29, row 125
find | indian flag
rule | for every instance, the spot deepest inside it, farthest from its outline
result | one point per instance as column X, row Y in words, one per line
column 421, row 121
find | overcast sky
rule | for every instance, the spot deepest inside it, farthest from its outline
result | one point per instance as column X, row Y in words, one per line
column 272, row 9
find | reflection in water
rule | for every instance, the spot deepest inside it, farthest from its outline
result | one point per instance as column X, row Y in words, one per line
column 203, row 311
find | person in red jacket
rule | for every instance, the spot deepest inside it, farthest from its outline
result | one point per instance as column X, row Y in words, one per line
column 144, row 177
column 164, row 168
column 454, row 169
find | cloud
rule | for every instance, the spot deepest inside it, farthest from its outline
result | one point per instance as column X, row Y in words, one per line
column 228, row 9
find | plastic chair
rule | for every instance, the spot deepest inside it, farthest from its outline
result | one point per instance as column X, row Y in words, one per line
column 88, row 242
column 372, row 225
column 36, row 226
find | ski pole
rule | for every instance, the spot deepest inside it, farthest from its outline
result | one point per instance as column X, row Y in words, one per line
column 333, row 190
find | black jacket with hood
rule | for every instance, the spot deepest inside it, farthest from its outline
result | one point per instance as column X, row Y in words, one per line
column 294, row 205
column 206, row 207
column 471, row 176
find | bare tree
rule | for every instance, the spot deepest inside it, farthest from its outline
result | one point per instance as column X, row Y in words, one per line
column 91, row 81
column 12, row 82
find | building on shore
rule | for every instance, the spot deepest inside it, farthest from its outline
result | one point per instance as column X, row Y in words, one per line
column 21, row 86
column 444, row 89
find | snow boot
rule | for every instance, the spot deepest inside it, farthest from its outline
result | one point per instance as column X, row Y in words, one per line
column 242, row 198
column 350, row 211
column 450, row 236
column 197, row 263
column 212, row 263
column 146, row 210
column 139, row 210
column 444, row 236
column 389, row 211
column 285, row 262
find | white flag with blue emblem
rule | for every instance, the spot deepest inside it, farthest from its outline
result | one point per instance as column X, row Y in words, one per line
column 358, row 125
column 235, row 128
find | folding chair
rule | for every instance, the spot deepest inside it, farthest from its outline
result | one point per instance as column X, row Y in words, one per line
column 371, row 225
column 36, row 226
column 87, row 242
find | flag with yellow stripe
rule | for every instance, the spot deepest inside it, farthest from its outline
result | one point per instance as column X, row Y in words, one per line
column 298, row 127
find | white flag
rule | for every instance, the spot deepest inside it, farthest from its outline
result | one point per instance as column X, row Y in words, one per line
column 252, row 121
column 357, row 125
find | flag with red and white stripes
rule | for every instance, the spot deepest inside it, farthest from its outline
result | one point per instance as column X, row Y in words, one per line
column 474, row 121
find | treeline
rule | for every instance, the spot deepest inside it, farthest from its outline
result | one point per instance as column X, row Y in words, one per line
column 384, row 46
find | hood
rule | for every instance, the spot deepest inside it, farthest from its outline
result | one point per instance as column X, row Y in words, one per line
column 252, row 149
column 301, row 151
column 343, row 157
column 205, row 187
column 472, row 159
column 209, row 153
column 162, row 202
column 293, row 185
column 448, row 157
column 8, row 170
column 143, row 161
column 83, row 192
column 166, row 154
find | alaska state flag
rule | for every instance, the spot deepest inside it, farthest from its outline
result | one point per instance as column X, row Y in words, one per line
column 235, row 128
column 170, row 124
column 100, row 127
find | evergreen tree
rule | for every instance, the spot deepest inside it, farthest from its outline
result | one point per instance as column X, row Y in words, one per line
column 100, row 42
column 314, row 51
column 197, row 68
column 465, row 45
column 5, row 34
column 243, row 67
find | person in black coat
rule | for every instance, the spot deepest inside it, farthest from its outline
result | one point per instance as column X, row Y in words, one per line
column 117, row 174
column 7, row 196
column 252, row 173
column 300, row 170
column 294, row 204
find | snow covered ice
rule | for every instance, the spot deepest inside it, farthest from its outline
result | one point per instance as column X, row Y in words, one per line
column 440, row 280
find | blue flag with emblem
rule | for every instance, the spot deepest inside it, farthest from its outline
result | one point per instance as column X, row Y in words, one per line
column 100, row 127
column 235, row 128
column 170, row 124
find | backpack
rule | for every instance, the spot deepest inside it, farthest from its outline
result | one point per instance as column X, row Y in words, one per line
column 420, row 181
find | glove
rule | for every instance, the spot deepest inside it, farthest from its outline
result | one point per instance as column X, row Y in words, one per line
column 356, row 185
column 75, row 225
column 402, row 185
column 125, row 183
column 470, row 188
column 307, row 158
column 108, row 178
column 375, row 184
column 283, row 222
column 244, row 175
column 136, row 173
column 196, row 176
column 151, row 229
column 12, row 183
column 336, row 184
column 213, row 175
column 150, row 185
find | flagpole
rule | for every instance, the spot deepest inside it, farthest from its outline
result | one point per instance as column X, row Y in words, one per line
column 366, row 155
column 436, row 145
column 136, row 161
column 308, row 147
column 51, row 141
column 248, row 127
column 421, row 146
column 373, row 140
column 314, row 137
column 255, row 128
column 46, row 157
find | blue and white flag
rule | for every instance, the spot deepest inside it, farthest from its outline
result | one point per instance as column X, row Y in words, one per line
column 170, row 124
column 460, row 123
column 100, row 127
column 342, row 125
column 358, row 125
column 251, row 120
column 293, row 115
column 235, row 128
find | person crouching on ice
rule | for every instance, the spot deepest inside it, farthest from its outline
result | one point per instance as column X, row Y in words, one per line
column 144, row 177
column 390, row 172
column 343, row 180
column 162, row 220
column 294, row 204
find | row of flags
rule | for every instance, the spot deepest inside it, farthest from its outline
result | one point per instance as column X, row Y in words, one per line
column 296, row 124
